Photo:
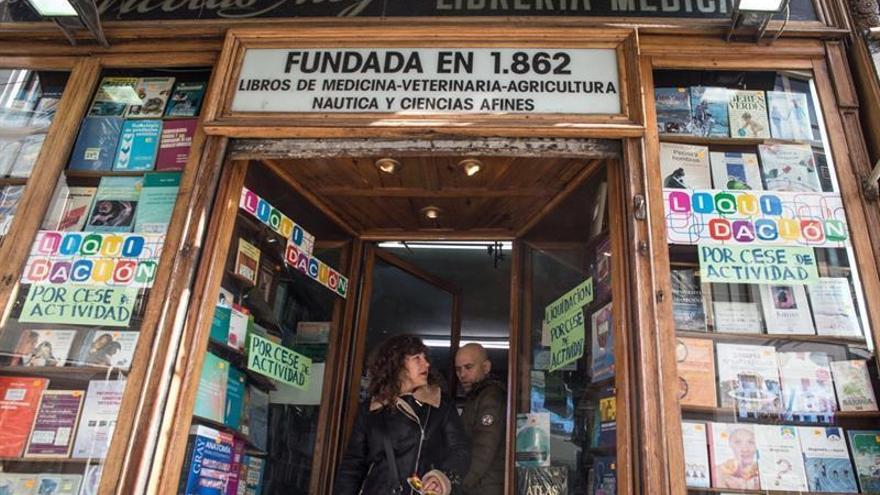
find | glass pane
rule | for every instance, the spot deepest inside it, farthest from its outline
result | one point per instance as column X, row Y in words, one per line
column 777, row 372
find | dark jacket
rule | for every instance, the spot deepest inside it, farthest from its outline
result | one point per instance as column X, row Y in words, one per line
column 364, row 468
column 485, row 419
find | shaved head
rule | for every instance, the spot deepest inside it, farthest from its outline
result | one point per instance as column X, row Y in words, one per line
column 472, row 365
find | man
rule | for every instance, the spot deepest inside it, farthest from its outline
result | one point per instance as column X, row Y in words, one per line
column 484, row 419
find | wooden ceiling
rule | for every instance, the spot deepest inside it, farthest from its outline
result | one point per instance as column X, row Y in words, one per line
column 507, row 197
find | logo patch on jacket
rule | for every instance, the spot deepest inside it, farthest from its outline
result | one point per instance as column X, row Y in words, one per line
column 487, row 420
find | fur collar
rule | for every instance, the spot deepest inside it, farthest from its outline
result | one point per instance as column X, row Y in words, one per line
column 429, row 394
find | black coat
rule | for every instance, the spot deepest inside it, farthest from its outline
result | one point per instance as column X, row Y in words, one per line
column 485, row 424
column 364, row 468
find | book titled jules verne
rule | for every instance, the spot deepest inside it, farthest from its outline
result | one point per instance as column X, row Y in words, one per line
column 687, row 300
column 98, row 420
column 786, row 310
column 747, row 112
column 696, row 454
column 156, row 202
column 153, row 94
column 174, row 146
column 833, row 308
column 865, row 446
column 138, row 145
column 780, row 462
column 186, row 100
column 853, row 385
column 247, row 261
column 709, row 111
column 789, row 115
column 684, row 166
column 735, row 171
column 733, row 455
column 115, row 204
column 41, row 348
column 55, row 424
column 748, row 378
column 789, row 167
column 114, row 95
column 673, row 110
column 807, row 388
column 696, row 372
column 96, row 144
column 826, row 460
column 736, row 317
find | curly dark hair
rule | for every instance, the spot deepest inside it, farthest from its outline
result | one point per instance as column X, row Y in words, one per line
column 387, row 363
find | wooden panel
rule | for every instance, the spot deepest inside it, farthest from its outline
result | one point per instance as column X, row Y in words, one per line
column 844, row 89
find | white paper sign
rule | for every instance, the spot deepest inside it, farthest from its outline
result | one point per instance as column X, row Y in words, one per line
column 413, row 81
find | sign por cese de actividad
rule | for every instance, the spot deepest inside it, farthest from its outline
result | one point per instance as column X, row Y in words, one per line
column 413, row 81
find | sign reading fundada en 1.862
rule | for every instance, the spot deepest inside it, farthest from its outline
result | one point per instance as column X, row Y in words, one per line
column 430, row 80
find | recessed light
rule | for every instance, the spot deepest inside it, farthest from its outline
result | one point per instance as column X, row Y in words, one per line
column 388, row 165
column 470, row 166
column 431, row 212
column 54, row 8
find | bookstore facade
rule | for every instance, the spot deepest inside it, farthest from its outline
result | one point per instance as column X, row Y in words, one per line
column 658, row 235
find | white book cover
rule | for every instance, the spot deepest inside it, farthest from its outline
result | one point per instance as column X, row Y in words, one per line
column 9, row 199
column 734, row 456
column 826, row 460
column 98, row 419
column 56, row 207
column 58, row 484
column 27, row 156
column 789, row 116
column 853, row 386
column 239, row 321
column 833, row 308
column 9, row 148
column 153, row 93
column 747, row 111
column 44, row 347
column 786, row 310
column 736, row 317
column 18, row 484
column 108, row 348
column 696, row 454
column 789, row 167
column 779, row 458
column 734, row 170
column 748, row 378
column 685, row 166
column 807, row 388
column 76, row 210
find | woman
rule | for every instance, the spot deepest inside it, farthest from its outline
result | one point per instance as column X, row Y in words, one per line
column 406, row 436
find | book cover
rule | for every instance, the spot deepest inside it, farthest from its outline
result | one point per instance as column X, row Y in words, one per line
column 175, row 144
column 687, row 300
column 826, row 460
column 27, row 156
column 19, row 399
column 98, row 419
column 789, row 167
column 9, row 200
column 208, row 462
column 18, row 484
column 56, row 207
column 153, row 93
column 138, row 145
column 237, row 469
column 780, row 462
column 96, row 144
column 114, row 95
column 736, row 317
column 696, row 455
column 865, row 446
column 602, row 338
column 602, row 270
column 807, row 388
column 9, row 148
column 605, row 421
column 748, row 378
column 55, row 424
column 532, row 439
column 673, row 110
column 734, row 456
column 115, row 204
column 550, row 480
column 696, row 372
column 685, row 166
column 313, row 332
column 833, row 310
column 211, row 394
column 853, row 386
column 220, row 324
column 709, row 112
column 76, row 209
column 255, row 468
column 258, row 417
column 235, row 386
column 58, row 484
column 186, row 100
column 786, row 310
column 44, row 112
column 247, row 261
column 789, row 116
column 735, row 171
column 156, row 202
column 604, row 475
column 91, row 479
column 747, row 112
column 44, row 347
column 108, row 348
column 240, row 320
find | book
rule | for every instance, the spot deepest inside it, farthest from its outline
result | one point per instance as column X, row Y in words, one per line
column 602, row 269
column 27, row 156
column 735, row 171
column 138, row 145
column 254, row 480
column 76, row 208
column 55, row 424
column 673, row 110
column 684, row 166
column 709, row 112
column 826, row 460
column 220, row 324
column 10, row 197
column 108, row 348
column 44, row 112
column 313, row 332
column 240, row 322
column 257, row 406
column 153, row 93
column 156, row 202
column 696, row 454
column 789, row 115
column 865, row 447
column 235, row 386
column 780, row 462
column 211, row 394
column 602, row 338
column 114, row 95
column 747, row 114
column 186, row 100
column 115, row 204
column 736, row 317
column 853, row 385
column 748, row 378
column 687, row 300
column 789, row 167
column 19, row 399
column 98, row 420
column 58, row 484
column 91, row 479
column 696, row 372
column 44, row 347
column 532, row 439
column 733, row 453
column 604, row 475
column 237, row 469
column 247, row 261
column 18, row 484
column 9, row 148
column 605, row 421
column 56, row 207
column 208, row 462
column 96, row 144
column 807, row 388
column 786, row 310
column 833, row 310
column 551, row 480
column 175, row 143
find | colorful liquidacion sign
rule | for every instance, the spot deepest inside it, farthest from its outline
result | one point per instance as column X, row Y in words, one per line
column 316, row 269
column 272, row 217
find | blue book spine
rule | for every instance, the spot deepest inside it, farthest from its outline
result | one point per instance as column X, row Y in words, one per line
column 209, row 461
column 234, row 397
column 138, row 145
column 96, row 144
column 254, row 481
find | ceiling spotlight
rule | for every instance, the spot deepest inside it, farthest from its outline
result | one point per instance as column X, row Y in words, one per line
column 470, row 166
column 431, row 212
column 388, row 165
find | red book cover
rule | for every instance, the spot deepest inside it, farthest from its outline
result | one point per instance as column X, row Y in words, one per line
column 174, row 146
column 19, row 399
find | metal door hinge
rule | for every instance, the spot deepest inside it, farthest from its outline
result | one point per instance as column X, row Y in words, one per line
column 640, row 211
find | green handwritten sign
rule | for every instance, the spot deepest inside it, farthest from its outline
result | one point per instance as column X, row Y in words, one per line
column 79, row 305
column 278, row 362
column 576, row 298
column 565, row 319
column 758, row 264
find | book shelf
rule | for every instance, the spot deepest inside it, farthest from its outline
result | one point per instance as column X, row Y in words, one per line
column 65, row 373
column 239, row 360
column 770, row 337
column 723, row 141
column 48, row 460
